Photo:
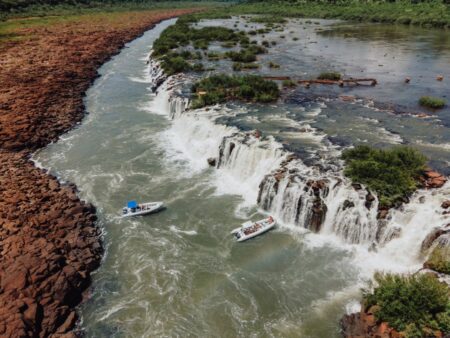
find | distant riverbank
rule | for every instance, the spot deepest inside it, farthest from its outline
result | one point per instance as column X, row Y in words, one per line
column 429, row 14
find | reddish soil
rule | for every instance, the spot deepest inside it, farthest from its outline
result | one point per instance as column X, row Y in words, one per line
column 49, row 242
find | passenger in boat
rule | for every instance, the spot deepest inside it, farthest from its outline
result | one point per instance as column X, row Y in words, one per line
column 270, row 219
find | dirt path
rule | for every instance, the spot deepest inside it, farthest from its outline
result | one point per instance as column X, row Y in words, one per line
column 49, row 243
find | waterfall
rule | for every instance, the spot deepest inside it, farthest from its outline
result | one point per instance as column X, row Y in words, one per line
column 318, row 198
column 320, row 201
column 177, row 106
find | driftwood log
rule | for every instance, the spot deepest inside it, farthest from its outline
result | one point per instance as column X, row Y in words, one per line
column 366, row 81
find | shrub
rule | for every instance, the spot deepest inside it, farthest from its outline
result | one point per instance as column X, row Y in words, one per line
column 213, row 56
column 432, row 102
column 220, row 88
column 229, row 44
column 411, row 304
column 289, row 83
column 392, row 173
column 273, row 65
column 329, row 76
column 269, row 19
column 242, row 56
column 198, row 67
column 174, row 64
column 237, row 66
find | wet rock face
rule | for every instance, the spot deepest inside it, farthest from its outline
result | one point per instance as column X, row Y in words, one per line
column 364, row 324
column 428, row 242
column 49, row 243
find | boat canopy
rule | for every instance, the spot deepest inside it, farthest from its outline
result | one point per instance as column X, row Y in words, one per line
column 132, row 204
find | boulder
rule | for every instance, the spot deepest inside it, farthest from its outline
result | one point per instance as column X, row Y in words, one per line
column 431, row 238
column 445, row 204
column 212, row 161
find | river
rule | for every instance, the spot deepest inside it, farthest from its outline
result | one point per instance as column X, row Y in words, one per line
column 179, row 272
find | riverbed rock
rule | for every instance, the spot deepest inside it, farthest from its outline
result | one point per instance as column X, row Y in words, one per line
column 365, row 325
column 432, row 179
column 445, row 204
column 369, row 200
column 431, row 238
column 212, row 161
column 347, row 204
column 382, row 213
column 318, row 214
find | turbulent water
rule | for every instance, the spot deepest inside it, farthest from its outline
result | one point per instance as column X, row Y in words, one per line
column 178, row 272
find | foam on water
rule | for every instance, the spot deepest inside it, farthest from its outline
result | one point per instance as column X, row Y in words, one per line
column 244, row 161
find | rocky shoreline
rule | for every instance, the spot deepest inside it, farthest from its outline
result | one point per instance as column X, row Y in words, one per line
column 49, row 242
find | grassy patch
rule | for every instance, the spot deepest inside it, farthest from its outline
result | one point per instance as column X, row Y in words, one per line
column 273, row 65
column 334, row 76
column 269, row 19
column 432, row 102
column 246, row 55
column 411, row 304
column 237, row 66
column 221, row 88
column 392, row 174
column 289, row 84
column 175, row 64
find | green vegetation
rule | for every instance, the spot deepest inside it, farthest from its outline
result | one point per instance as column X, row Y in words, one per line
column 183, row 34
column 434, row 13
column 238, row 66
column 414, row 304
column 174, row 64
column 242, row 56
column 273, row 65
column 392, row 174
column 289, row 84
column 220, row 88
column 432, row 102
column 439, row 260
column 63, row 8
column 334, row 76
column 198, row 67
column 246, row 55
column 269, row 19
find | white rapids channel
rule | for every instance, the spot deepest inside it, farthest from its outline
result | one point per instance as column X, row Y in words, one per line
column 262, row 173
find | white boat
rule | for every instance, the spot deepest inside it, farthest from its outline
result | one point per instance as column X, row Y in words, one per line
column 252, row 229
column 134, row 208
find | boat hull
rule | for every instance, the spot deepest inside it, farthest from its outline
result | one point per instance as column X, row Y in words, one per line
column 147, row 208
column 241, row 236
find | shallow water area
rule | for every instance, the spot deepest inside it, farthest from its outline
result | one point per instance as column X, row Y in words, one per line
column 179, row 272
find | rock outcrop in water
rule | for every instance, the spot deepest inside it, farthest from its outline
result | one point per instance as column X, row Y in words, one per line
column 49, row 243
column 364, row 324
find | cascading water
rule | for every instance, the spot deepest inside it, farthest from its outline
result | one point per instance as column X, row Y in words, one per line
column 263, row 172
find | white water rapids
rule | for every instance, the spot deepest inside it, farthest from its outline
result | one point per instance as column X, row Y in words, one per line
column 253, row 167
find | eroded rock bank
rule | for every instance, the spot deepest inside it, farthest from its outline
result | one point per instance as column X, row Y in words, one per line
column 49, row 243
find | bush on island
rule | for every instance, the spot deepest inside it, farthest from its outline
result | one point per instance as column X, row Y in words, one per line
column 392, row 173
